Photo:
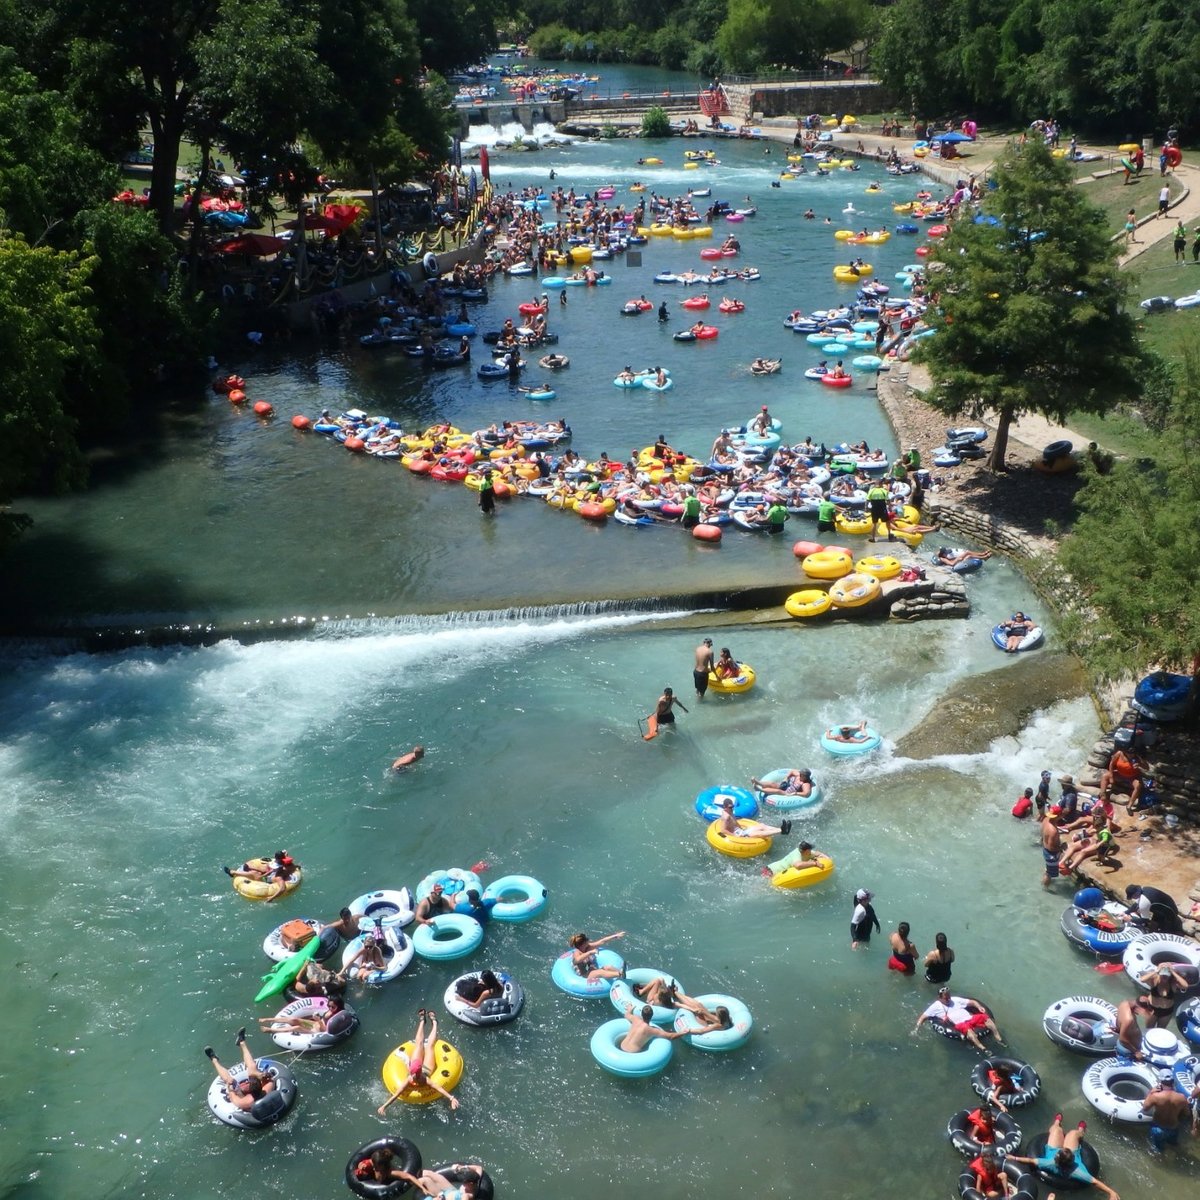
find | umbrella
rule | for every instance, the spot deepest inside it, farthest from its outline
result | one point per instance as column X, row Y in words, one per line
column 316, row 221
column 259, row 244
column 953, row 137
column 346, row 214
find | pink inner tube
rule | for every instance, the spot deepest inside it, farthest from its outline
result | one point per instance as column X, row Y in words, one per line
column 842, row 381
column 710, row 252
column 969, row 128
column 671, row 510
column 736, row 216
column 709, row 331
column 530, row 309
column 729, row 254
column 695, row 302
column 938, row 231
column 922, row 251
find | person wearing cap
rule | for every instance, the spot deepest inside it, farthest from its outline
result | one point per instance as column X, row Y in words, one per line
column 704, row 663
column 1051, row 844
column 912, row 458
column 762, row 422
column 1068, row 801
column 432, row 905
column 962, row 1014
column 862, row 919
column 1165, row 988
column 1168, row 1109
column 279, row 871
column 731, row 827
column 1152, row 909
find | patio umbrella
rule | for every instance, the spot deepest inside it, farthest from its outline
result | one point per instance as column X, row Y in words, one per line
column 345, row 214
column 953, row 137
column 257, row 244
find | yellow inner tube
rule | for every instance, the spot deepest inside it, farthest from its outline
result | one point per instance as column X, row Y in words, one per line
column 882, row 566
column 826, row 564
column 792, row 877
column 260, row 889
column 738, row 683
column 809, row 602
column 448, row 1070
column 844, row 235
column 845, row 523
column 844, row 273
column 736, row 847
column 910, row 537
column 855, row 590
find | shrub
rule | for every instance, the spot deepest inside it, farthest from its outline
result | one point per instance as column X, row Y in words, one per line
column 656, row 123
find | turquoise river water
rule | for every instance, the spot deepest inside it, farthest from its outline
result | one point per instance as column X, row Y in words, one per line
column 127, row 779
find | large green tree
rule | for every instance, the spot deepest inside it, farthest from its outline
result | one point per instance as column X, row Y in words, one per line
column 48, row 335
column 796, row 33
column 1031, row 310
column 1132, row 553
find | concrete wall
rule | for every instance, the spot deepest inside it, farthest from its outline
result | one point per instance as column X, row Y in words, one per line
column 802, row 98
column 504, row 112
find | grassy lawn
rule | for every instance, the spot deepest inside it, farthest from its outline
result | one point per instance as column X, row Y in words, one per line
column 1116, row 197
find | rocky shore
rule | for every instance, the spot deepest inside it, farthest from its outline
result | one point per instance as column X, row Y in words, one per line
column 1019, row 513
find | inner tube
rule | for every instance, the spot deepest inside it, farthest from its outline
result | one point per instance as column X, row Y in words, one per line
column 517, row 898
column 340, row 1028
column 1057, row 449
column 267, row 1109
column 1151, row 950
column 484, row 1189
column 1107, row 943
column 1085, row 1157
column 1023, row 1075
column 563, row 973
column 405, row 1155
column 1188, row 1020
column 607, row 1052
column 387, row 906
column 709, row 802
column 1008, row 1134
column 1084, row 1024
column 786, row 802
column 717, row 1040
column 871, row 741
column 1116, row 1087
column 397, row 950
column 430, row 265
column 447, row 936
column 497, row 1010
column 621, row 993
column 1023, row 1181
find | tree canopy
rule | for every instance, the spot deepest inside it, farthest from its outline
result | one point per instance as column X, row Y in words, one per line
column 1128, row 68
column 1030, row 310
column 1132, row 552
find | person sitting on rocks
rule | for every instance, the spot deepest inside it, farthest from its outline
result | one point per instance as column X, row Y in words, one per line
column 1125, row 770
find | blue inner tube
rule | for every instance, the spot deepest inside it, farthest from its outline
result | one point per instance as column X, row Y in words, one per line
column 606, row 1051
column 871, row 741
column 708, row 802
column 563, row 973
column 1107, row 943
column 784, row 801
column 447, row 936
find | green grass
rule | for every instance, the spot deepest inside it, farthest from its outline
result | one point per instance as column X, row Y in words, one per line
column 1116, row 198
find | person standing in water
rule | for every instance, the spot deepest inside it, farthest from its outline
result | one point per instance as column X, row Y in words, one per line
column 704, row 664
column 904, row 953
column 664, row 709
column 862, row 919
column 938, row 961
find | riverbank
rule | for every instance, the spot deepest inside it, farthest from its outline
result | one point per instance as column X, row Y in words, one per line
column 1022, row 512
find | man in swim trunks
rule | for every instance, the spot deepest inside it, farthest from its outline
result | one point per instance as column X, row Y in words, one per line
column 1168, row 1110
column 729, row 824
column 1051, row 844
column 962, row 1014
column 1129, row 1032
column 642, row 1032
column 666, row 703
column 704, row 664
column 406, row 760
column 433, row 904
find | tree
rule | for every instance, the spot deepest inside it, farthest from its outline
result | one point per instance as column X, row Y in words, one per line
column 1030, row 313
column 1132, row 552
column 799, row 33
column 48, row 334
column 656, row 123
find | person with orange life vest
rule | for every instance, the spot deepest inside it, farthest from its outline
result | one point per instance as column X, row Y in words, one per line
column 1125, row 767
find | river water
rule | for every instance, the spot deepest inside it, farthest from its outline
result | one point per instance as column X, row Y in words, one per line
column 127, row 779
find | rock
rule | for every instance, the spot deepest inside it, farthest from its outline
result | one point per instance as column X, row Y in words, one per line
column 981, row 708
